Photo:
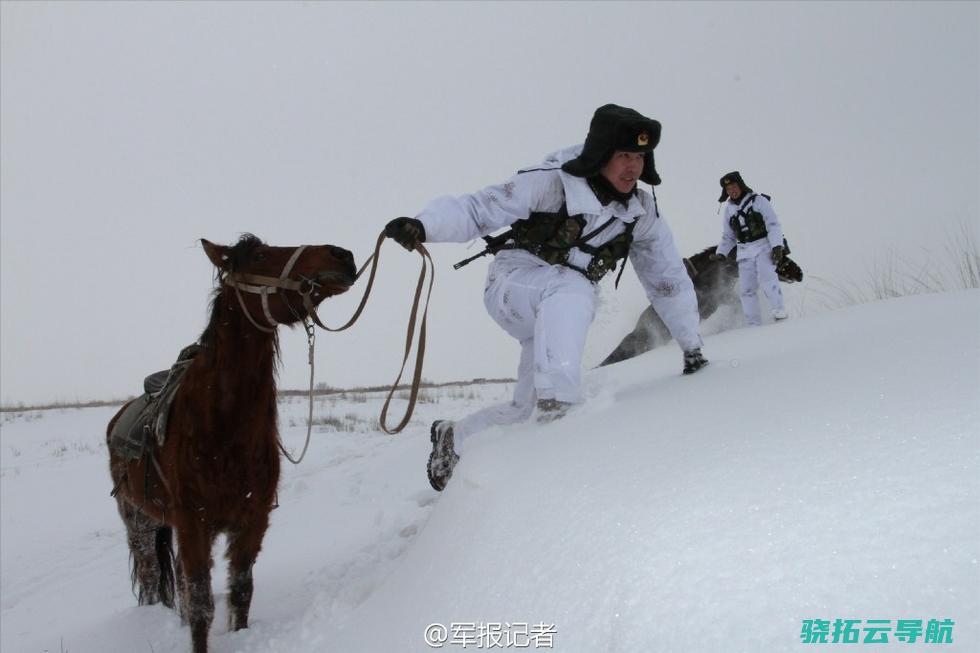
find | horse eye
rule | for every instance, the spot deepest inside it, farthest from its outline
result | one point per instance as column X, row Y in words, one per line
column 258, row 257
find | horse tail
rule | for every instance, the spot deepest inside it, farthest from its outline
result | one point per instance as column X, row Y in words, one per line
column 165, row 558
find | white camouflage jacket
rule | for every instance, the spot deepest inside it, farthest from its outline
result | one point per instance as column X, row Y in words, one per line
column 750, row 250
column 544, row 188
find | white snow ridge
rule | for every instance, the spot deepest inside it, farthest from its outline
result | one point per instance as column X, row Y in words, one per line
column 823, row 468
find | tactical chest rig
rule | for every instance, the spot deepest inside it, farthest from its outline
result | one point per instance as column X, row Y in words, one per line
column 747, row 223
column 551, row 237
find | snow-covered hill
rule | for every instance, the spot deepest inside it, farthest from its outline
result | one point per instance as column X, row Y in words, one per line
column 823, row 468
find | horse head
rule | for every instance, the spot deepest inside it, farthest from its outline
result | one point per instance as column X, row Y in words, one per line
column 789, row 271
column 702, row 263
column 282, row 284
column 714, row 280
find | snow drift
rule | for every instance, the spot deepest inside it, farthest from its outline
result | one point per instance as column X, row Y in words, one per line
column 823, row 468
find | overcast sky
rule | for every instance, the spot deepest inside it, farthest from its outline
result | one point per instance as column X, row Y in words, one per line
column 131, row 130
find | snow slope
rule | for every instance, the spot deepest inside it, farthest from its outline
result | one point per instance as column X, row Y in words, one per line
column 822, row 468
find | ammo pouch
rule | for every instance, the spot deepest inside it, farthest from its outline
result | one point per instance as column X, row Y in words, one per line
column 605, row 256
column 754, row 226
column 551, row 236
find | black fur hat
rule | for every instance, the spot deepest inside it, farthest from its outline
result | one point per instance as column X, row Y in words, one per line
column 617, row 128
column 734, row 176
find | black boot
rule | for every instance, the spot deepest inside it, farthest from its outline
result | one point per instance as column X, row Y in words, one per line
column 443, row 458
column 551, row 409
column 693, row 361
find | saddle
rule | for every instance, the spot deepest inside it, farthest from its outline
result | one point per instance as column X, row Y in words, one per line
column 144, row 421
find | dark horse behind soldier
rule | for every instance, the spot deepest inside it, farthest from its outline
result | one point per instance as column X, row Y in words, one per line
column 715, row 283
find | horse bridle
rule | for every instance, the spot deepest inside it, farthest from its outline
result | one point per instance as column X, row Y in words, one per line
column 264, row 286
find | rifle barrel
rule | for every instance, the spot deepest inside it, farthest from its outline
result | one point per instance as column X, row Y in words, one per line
column 457, row 266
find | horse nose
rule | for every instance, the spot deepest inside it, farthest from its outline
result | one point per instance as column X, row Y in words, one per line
column 341, row 254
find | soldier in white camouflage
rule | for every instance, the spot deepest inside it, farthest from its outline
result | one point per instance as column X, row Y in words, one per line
column 570, row 221
column 750, row 225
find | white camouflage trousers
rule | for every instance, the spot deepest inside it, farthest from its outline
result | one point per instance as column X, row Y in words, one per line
column 548, row 309
column 755, row 271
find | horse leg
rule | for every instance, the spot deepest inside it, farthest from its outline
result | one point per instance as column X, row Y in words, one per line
column 151, row 550
column 196, row 601
column 243, row 549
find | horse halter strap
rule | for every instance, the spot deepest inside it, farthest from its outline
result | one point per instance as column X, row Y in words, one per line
column 264, row 286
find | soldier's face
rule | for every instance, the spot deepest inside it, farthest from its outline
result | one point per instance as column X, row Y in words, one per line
column 734, row 190
column 623, row 170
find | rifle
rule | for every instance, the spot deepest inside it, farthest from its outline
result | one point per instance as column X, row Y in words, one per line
column 494, row 245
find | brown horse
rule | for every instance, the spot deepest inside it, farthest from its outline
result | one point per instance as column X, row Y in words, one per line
column 218, row 467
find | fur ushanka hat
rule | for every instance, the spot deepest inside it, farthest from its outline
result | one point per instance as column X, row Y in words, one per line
column 732, row 177
column 617, row 128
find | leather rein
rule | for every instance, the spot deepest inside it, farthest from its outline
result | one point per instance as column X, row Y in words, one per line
column 265, row 285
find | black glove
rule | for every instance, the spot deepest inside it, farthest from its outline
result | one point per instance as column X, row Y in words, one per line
column 407, row 232
column 718, row 257
column 777, row 254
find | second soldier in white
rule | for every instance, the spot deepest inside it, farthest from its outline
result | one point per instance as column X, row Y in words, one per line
column 751, row 225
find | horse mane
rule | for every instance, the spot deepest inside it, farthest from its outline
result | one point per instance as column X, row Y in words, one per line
column 238, row 257
column 241, row 252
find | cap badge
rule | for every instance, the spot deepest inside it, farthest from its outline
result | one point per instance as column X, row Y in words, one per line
column 643, row 139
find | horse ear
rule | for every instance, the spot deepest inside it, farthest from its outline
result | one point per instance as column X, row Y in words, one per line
column 217, row 253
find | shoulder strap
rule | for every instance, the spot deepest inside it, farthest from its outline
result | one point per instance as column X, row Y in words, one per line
column 587, row 237
column 629, row 234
